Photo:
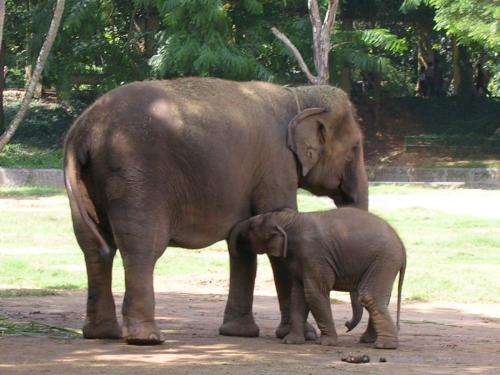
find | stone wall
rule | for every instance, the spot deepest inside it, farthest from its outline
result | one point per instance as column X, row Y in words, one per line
column 469, row 177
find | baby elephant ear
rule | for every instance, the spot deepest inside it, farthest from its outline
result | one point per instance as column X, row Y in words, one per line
column 278, row 245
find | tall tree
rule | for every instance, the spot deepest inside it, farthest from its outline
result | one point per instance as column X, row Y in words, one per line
column 40, row 63
column 322, row 30
column 2, row 62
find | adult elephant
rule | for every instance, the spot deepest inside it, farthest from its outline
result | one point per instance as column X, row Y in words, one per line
column 178, row 163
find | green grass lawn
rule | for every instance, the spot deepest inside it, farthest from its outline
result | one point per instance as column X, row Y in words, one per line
column 451, row 257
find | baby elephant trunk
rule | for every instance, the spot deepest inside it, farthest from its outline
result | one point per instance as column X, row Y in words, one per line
column 357, row 311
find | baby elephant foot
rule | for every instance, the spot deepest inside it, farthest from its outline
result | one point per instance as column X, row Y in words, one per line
column 386, row 343
column 327, row 340
column 142, row 333
column 368, row 337
column 241, row 326
column 294, row 339
column 108, row 329
column 309, row 331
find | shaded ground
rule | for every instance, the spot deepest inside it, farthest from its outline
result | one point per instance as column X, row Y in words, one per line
column 435, row 338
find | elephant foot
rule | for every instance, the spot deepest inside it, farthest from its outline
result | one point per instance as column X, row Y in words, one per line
column 142, row 333
column 284, row 329
column 108, row 329
column 386, row 343
column 242, row 327
column 293, row 339
column 327, row 340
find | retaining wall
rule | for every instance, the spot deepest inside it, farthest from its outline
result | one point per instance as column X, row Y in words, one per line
column 468, row 177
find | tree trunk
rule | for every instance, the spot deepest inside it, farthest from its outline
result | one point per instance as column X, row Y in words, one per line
column 2, row 19
column 377, row 98
column 463, row 81
column 2, row 84
column 40, row 63
column 345, row 82
column 2, row 62
column 322, row 31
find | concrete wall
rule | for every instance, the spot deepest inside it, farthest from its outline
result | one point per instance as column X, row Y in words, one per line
column 32, row 177
column 469, row 177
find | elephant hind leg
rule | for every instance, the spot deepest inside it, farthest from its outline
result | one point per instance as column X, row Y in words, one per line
column 375, row 293
column 141, row 238
column 100, row 322
column 386, row 333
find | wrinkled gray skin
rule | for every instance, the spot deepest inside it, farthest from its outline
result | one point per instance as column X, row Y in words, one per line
column 347, row 249
column 179, row 163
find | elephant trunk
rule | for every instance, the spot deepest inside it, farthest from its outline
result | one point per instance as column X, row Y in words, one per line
column 353, row 189
column 357, row 312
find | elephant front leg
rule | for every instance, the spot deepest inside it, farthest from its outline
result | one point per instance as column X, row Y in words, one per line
column 283, row 285
column 298, row 316
column 319, row 303
column 238, row 316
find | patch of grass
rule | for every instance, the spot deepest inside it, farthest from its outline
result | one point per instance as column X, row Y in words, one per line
column 462, row 164
column 451, row 257
column 33, row 328
column 27, row 292
column 23, row 156
column 29, row 191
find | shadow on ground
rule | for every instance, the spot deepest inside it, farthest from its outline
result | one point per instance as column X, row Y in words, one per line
column 435, row 339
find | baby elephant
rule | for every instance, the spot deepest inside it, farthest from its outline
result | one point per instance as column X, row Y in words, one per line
column 347, row 249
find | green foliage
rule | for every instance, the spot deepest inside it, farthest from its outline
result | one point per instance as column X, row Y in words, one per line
column 204, row 41
column 475, row 21
column 45, row 124
column 472, row 117
column 364, row 49
column 471, row 21
column 21, row 156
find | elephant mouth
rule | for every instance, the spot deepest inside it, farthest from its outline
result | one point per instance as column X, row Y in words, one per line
column 340, row 196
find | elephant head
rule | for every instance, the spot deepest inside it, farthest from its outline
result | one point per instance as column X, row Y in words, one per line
column 261, row 234
column 328, row 145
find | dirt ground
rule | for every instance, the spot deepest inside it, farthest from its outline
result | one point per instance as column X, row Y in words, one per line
column 436, row 338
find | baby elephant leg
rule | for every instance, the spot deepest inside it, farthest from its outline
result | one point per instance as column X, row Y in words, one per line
column 370, row 335
column 319, row 304
column 298, row 315
column 375, row 294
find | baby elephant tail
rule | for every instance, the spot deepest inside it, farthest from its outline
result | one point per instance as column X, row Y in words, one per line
column 357, row 311
column 400, row 285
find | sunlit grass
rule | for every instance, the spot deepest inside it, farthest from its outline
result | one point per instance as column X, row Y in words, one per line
column 29, row 191
column 451, row 257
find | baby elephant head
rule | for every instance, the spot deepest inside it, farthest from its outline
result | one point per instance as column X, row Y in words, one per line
column 259, row 234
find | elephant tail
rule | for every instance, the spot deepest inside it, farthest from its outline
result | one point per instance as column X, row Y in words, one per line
column 400, row 284
column 78, row 194
column 357, row 311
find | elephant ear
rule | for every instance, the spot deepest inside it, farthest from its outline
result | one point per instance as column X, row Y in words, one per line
column 306, row 137
column 278, row 245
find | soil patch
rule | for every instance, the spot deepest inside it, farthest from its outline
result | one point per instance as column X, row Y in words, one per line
column 436, row 338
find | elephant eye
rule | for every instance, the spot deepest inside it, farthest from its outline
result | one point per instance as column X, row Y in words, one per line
column 351, row 154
